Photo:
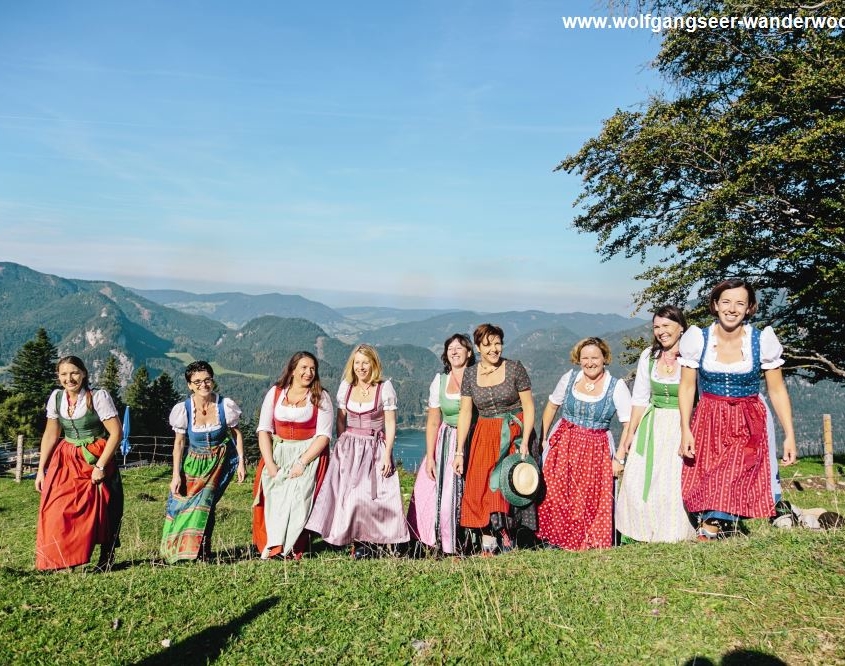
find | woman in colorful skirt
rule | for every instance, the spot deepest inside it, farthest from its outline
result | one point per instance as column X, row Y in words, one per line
column 728, row 444
column 294, row 429
column 435, row 509
column 209, row 423
column 577, row 511
column 81, row 494
column 360, row 502
column 649, row 506
column 501, row 392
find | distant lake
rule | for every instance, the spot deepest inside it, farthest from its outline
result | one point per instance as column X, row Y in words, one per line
column 409, row 448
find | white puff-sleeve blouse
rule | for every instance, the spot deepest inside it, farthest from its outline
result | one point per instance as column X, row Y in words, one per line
column 621, row 395
column 100, row 398
column 434, row 393
column 179, row 417
column 283, row 412
column 692, row 344
column 388, row 399
column 641, row 393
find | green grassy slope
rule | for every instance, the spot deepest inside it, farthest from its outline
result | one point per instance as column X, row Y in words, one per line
column 773, row 592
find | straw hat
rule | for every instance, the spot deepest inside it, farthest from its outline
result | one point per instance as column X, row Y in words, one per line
column 519, row 479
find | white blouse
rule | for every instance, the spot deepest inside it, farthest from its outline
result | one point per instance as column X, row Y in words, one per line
column 103, row 405
column 692, row 342
column 434, row 393
column 621, row 394
column 388, row 399
column 179, row 417
column 641, row 394
column 283, row 412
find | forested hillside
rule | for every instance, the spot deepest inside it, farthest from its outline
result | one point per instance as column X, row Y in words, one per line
column 98, row 320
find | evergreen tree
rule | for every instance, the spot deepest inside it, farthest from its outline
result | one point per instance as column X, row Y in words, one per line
column 33, row 369
column 137, row 397
column 110, row 381
column 33, row 373
column 163, row 396
column 16, row 418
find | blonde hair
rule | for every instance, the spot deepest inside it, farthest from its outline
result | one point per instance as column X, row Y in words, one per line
column 375, row 365
column 575, row 354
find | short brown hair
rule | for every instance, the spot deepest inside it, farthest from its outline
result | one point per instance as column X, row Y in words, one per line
column 484, row 331
column 575, row 354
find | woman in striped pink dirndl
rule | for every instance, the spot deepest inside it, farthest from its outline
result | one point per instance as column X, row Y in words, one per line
column 361, row 502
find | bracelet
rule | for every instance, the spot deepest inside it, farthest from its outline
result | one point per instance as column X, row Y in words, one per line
column 100, row 467
column 459, row 455
column 621, row 462
column 302, row 464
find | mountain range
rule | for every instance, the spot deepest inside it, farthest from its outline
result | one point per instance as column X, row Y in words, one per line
column 249, row 338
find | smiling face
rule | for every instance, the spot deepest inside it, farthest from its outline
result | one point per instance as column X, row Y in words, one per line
column 457, row 354
column 201, row 383
column 591, row 360
column 304, row 372
column 362, row 367
column 667, row 332
column 732, row 307
column 71, row 378
column 490, row 349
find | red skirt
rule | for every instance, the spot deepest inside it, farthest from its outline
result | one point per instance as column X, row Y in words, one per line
column 74, row 513
column 730, row 471
column 577, row 510
column 479, row 501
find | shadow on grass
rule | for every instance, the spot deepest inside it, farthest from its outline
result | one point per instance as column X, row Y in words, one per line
column 739, row 658
column 206, row 646
column 233, row 555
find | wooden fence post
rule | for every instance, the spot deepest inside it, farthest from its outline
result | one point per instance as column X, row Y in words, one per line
column 830, row 484
column 19, row 460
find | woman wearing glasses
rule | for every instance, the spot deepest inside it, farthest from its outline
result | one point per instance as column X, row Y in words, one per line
column 215, row 454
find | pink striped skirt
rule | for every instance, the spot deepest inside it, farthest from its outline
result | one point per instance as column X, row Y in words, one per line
column 356, row 503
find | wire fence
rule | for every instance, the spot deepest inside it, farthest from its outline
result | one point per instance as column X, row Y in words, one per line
column 144, row 450
column 157, row 450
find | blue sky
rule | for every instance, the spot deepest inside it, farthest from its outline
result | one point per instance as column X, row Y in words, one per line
column 374, row 153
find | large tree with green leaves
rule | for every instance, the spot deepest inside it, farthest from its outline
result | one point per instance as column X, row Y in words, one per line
column 736, row 169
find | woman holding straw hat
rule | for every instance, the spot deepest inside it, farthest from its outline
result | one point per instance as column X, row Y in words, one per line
column 500, row 390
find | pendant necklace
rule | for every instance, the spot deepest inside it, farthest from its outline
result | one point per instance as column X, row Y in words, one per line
column 591, row 386
column 668, row 367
